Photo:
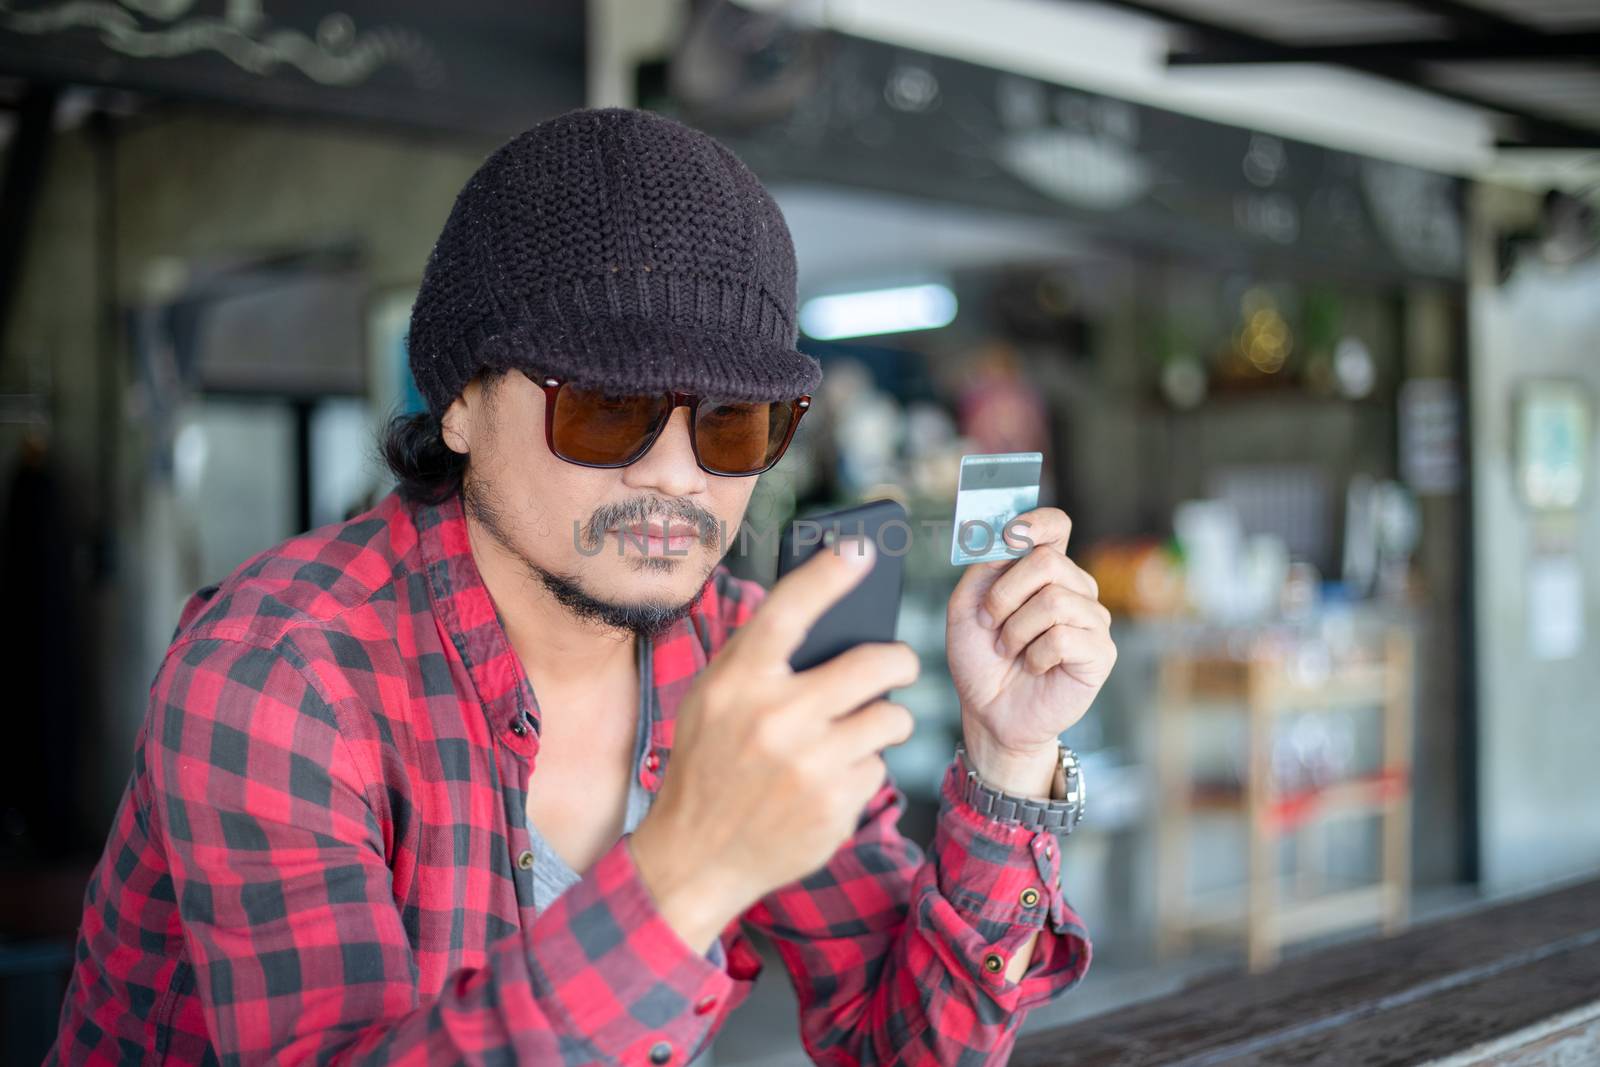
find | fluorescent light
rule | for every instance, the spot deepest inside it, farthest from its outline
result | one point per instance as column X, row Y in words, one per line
column 910, row 307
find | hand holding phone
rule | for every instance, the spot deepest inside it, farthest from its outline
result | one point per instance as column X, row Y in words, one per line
column 772, row 768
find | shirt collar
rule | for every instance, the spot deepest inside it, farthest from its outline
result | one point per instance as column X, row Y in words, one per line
column 469, row 620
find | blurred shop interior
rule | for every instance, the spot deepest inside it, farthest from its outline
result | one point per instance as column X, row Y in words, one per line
column 1311, row 361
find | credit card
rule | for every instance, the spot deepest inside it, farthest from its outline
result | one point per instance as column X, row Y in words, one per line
column 993, row 490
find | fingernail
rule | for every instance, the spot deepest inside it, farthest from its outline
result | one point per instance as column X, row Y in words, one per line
column 985, row 619
column 857, row 551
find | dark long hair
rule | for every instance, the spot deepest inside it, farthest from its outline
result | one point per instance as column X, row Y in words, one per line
column 428, row 470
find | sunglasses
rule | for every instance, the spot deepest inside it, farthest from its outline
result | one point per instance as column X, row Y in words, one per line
column 733, row 438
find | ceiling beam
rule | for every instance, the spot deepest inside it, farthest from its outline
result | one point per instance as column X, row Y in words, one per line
column 1476, row 26
column 1471, row 20
column 1585, row 46
column 1530, row 129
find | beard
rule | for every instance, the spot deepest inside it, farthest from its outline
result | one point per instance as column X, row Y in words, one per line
column 642, row 619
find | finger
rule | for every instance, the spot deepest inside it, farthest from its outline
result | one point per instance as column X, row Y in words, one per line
column 1067, row 646
column 800, row 597
column 1041, row 567
column 1064, row 571
column 1082, row 581
column 971, row 592
column 872, row 729
column 1052, row 605
column 855, row 677
column 865, row 777
column 1040, row 526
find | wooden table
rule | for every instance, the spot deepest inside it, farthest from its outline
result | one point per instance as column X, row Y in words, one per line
column 1515, row 984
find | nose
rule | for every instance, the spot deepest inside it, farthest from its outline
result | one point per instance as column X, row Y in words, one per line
column 669, row 467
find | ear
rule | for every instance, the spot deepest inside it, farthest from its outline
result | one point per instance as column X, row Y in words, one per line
column 455, row 424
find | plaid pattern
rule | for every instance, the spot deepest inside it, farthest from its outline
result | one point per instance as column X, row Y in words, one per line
column 317, row 855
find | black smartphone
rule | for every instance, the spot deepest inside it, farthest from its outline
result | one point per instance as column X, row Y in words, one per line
column 869, row 611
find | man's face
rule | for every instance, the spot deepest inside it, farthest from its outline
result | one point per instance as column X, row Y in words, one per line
column 594, row 536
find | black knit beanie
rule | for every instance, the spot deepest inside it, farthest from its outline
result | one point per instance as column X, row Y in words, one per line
column 613, row 247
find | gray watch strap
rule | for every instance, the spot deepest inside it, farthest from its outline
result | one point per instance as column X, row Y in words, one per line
column 1058, row 815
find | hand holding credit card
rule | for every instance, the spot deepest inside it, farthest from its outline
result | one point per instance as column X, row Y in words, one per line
column 1026, row 638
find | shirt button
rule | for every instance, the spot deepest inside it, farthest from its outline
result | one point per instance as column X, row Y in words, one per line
column 1030, row 897
column 660, row 1052
column 993, row 963
column 653, row 761
column 525, row 861
column 704, row 1004
column 519, row 727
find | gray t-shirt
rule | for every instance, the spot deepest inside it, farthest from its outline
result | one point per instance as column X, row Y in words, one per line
column 551, row 875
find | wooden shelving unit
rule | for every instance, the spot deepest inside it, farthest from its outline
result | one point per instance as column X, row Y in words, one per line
column 1263, row 690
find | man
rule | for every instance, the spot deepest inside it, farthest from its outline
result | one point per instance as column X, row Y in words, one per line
column 378, row 755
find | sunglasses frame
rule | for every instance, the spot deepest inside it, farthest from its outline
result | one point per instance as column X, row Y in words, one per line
column 552, row 388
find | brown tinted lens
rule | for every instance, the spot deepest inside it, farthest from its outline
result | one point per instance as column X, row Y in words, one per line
column 590, row 426
column 740, row 438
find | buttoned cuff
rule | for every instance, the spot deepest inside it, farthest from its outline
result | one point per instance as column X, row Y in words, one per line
column 1004, row 882
column 625, row 978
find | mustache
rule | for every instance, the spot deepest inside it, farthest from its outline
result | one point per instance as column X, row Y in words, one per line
column 640, row 510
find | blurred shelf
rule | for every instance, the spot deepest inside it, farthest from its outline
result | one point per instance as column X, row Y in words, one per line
column 1336, row 911
column 1373, row 794
column 1224, row 912
column 1362, row 685
column 1223, row 680
column 1262, row 688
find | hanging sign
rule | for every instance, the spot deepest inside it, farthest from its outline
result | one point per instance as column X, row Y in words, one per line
column 474, row 66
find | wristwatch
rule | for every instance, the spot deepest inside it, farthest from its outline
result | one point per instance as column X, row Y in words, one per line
column 1058, row 813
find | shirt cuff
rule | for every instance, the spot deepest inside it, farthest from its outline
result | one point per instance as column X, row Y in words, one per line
column 624, row 976
column 990, row 871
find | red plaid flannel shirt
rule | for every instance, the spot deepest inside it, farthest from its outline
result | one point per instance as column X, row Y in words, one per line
column 320, row 855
